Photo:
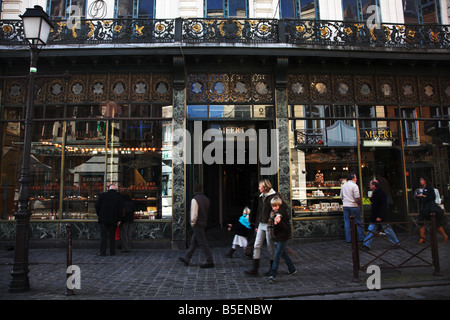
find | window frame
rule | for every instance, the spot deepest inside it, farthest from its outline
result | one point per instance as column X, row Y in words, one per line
column 359, row 11
column 135, row 9
column 226, row 10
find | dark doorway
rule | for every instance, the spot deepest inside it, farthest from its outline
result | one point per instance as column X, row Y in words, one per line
column 230, row 185
column 385, row 165
column 230, row 188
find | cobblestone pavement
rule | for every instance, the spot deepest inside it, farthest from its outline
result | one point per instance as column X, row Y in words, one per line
column 433, row 292
column 324, row 272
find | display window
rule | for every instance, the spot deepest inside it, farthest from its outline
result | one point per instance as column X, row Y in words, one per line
column 396, row 145
column 75, row 159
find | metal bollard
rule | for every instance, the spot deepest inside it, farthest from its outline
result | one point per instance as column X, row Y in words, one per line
column 69, row 292
column 355, row 252
column 434, row 246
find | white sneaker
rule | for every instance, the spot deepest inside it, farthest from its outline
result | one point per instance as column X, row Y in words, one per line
column 271, row 280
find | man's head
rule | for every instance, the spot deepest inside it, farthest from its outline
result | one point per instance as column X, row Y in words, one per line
column 374, row 184
column 352, row 176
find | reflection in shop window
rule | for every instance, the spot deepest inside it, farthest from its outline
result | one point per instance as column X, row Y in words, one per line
column 84, row 164
column 410, row 127
column 321, row 128
column 317, row 176
column 11, row 162
column 45, row 169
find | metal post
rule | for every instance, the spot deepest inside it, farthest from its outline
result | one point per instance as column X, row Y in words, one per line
column 355, row 252
column 434, row 246
column 20, row 280
column 69, row 292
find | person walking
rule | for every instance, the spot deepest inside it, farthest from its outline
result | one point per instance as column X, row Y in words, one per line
column 379, row 201
column 241, row 230
column 126, row 225
column 261, row 221
column 427, row 204
column 199, row 220
column 351, row 201
column 109, row 207
column 279, row 228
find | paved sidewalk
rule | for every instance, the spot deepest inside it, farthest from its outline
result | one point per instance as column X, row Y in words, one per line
column 324, row 268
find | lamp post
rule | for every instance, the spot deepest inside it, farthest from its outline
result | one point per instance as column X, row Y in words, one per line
column 36, row 26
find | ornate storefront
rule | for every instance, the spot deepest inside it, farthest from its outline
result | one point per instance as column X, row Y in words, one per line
column 339, row 96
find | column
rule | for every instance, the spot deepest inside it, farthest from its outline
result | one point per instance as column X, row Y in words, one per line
column 178, row 167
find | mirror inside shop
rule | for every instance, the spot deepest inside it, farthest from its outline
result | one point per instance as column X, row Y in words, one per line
column 73, row 162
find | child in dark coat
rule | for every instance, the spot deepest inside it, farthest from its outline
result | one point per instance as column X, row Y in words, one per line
column 240, row 230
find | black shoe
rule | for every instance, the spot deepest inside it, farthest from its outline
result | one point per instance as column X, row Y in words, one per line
column 254, row 270
column 230, row 253
column 186, row 263
column 207, row 265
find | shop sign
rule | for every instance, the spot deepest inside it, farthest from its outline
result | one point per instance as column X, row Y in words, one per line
column 232, row 129
column 377, row 138
column 378, row 134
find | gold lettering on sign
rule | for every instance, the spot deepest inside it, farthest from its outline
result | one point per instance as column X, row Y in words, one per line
column 379, row 134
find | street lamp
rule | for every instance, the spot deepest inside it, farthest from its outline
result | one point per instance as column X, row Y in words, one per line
column 36, row 27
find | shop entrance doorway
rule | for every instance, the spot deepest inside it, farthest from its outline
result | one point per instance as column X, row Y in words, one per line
column 385, row 165
column 230, row 186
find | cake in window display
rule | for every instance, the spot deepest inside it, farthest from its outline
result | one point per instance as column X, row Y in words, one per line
column 319, row 180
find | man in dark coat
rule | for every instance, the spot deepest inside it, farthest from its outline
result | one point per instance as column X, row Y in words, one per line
column 110, row 209
column 378, row 216
column 199, row 220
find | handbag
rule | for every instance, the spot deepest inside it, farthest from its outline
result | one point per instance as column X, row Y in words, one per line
column 117, row 235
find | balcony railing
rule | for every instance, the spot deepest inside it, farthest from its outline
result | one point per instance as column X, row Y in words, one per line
column 246, row 31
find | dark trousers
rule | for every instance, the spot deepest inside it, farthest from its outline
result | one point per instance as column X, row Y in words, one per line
column 107, row 231
column 199, row 240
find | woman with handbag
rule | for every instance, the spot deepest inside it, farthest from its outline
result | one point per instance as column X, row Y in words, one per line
column 427, row 204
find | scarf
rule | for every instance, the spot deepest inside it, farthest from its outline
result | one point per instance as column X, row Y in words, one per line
column 244, row 221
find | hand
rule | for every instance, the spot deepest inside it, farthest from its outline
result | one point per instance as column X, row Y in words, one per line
column 378, row 219
column 277, row 219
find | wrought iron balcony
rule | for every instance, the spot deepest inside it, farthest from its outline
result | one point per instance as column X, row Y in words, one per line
column 246, row 31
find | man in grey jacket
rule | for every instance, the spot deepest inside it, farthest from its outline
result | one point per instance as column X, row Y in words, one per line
column 199, row 221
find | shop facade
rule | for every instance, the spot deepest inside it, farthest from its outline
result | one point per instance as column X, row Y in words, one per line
column 157, row 114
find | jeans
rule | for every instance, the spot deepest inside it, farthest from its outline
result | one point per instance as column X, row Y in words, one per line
column 259, row 241
column 371, row 234
column 280, row 252
column 356, row 212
